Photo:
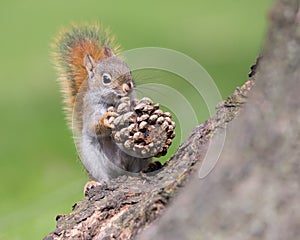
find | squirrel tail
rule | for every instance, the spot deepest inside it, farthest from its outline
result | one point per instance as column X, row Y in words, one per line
column 70, row 48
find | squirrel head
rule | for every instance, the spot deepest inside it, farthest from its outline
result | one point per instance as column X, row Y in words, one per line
column 109, row 77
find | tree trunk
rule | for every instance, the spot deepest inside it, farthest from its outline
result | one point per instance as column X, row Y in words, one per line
column 253, row 191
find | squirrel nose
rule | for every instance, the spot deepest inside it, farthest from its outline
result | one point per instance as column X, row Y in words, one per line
column 130, row 85
column 126, row 87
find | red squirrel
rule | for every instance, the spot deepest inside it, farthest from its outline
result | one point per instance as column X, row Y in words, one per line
column 93, row 78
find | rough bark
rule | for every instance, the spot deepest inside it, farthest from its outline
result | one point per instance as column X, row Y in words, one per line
column 252, row 192
column 122, row 207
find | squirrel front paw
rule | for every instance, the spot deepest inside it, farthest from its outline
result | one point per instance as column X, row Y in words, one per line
column 105, row 123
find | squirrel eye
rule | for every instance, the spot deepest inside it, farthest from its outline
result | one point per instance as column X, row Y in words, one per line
column 106, row 78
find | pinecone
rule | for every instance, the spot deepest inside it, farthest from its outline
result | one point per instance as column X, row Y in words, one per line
column 141, row 129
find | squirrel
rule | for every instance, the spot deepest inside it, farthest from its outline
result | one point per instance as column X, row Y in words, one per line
column 93, row 78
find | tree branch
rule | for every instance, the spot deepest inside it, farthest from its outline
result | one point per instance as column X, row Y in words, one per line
column 122, row 207
column 254, row 191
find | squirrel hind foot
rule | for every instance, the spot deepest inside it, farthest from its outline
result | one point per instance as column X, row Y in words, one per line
column 90, row 185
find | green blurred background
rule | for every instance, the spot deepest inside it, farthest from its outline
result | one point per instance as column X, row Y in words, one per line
column 41, row 175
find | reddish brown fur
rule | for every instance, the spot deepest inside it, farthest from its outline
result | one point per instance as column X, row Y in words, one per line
column 73, row 77
column 79, row 51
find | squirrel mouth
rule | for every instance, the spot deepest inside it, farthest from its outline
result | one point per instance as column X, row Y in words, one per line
column 120, row 95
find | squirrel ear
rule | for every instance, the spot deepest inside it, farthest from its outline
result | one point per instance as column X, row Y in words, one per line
column 108, row 52
column 89, row 64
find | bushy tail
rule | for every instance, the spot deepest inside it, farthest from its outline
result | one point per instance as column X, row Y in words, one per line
column 70, row 48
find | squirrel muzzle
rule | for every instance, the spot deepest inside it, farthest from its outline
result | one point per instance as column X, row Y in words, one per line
column 127, row 87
